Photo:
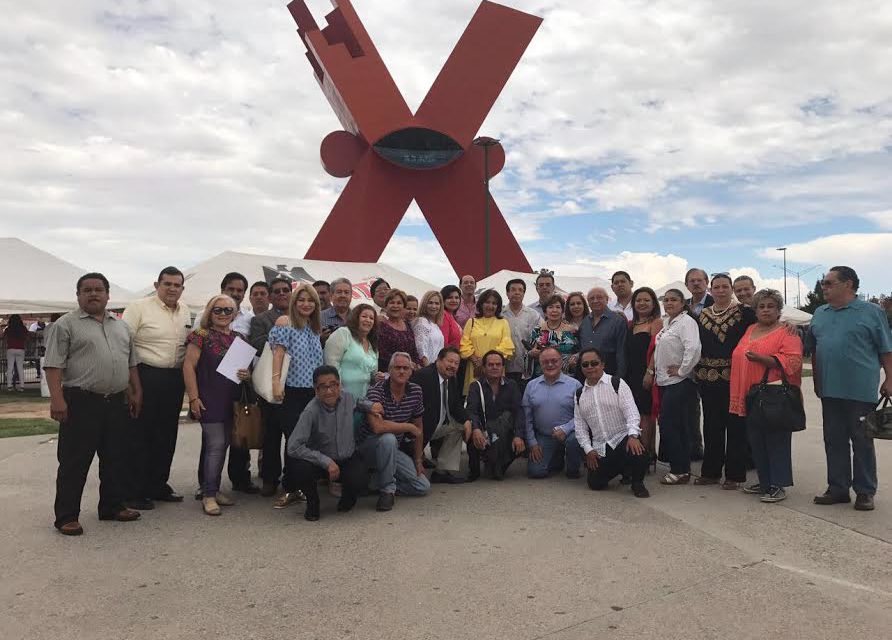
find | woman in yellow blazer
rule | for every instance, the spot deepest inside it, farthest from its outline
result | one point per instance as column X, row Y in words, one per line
column 487, row 331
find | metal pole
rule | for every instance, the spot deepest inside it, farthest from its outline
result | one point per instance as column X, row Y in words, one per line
column 784, row 249
column 486, row 266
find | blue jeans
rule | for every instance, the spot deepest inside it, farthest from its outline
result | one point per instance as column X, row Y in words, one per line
column 676, row 408
column 214, row 441
column 842, row 424
column 394, row 470
column 554, row 455
column 773, row 457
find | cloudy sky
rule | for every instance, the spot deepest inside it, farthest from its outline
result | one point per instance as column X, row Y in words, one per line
column 644, row 135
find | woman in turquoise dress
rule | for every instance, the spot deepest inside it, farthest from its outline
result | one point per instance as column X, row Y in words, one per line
column 353, row 351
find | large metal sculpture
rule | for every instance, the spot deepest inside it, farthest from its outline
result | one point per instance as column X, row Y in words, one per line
column 393, row 156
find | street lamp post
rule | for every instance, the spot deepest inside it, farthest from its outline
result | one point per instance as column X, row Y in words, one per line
column 784, row 249
column 486, row 143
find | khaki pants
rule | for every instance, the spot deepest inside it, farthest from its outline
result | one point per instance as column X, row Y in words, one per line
column 451, row 434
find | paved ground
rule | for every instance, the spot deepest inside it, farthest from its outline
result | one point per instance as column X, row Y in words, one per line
column 518, row 559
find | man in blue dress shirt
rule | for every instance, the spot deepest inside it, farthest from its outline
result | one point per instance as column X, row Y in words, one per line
column 850, row 340
column 548, row 404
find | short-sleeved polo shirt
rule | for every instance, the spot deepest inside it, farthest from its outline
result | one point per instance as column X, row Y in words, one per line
column 94, row 356
column 410, row 407
column 848, row 343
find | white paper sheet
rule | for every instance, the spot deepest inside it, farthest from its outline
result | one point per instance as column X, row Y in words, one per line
column 239, row 356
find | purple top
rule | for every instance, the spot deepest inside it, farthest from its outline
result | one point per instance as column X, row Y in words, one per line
column 391, row 341
column 217, row 393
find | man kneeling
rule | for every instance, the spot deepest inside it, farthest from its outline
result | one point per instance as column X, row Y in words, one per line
column 380, row 436
column 608, row 427
column 322, row 444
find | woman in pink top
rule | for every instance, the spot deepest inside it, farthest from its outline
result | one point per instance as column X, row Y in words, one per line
column 760, row 345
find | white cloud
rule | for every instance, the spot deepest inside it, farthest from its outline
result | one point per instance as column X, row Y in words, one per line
column 866, row 253
column 139, row 134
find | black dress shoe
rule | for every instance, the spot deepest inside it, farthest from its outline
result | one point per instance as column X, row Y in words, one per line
column 346, row 503
column 168, row 497
column 428, row 464
column 249, row 488
column 639, row 490
column 312, row 512
column 446, row 478
column 385, row 502
column 472, row 476
column 829, row 498
column 864, row 502
column 140, row 504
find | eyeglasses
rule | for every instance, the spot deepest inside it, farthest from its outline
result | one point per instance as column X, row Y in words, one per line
column 830, row 283
column 280, row 291
column 590, row 364
column 222, row 311
column 328, row 387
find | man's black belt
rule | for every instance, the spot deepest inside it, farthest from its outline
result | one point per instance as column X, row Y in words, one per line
column 107, row 397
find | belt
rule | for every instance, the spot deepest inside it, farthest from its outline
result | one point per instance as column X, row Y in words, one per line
column 107, row 397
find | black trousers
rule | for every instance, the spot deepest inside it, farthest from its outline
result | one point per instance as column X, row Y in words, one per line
column 724, row 436
column 354, row 477
column 281, row 422
column 618, row 462
column 238, row 467
column 692, row 411
column 154, row 432
column 95, row 426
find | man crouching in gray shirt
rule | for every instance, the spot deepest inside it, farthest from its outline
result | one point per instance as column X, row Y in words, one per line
column 323, row 443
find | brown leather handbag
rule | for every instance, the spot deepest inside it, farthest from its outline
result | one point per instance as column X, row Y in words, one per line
column 247, row 426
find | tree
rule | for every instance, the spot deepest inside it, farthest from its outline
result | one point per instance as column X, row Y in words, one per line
column 815, row 298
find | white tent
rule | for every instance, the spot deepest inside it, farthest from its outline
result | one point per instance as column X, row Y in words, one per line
column 36, row 282
column 795, row 316
column 203, row 280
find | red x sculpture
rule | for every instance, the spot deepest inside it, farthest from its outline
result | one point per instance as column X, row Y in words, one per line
column 392, row 156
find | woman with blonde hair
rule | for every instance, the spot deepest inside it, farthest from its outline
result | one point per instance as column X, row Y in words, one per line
column 429, row 337
column 297, row 334
column 211, row 394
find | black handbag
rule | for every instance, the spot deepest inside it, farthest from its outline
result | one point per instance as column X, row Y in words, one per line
column 775, row 407
column 878, row 423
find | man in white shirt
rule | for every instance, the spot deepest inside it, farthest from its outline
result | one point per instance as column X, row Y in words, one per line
column 607, row 427
column 621, row 283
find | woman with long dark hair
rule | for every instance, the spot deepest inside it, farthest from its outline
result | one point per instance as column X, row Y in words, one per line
column 16, row 337
column 487, row 331
column 646, row 324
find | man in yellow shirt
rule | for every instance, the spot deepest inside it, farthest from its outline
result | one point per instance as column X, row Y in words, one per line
column 159, row 325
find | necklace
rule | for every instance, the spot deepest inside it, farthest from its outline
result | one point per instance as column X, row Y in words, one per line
column 719, row 313
column 548, row 325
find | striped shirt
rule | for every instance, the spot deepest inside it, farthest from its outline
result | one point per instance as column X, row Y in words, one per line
column 604, row 416
column 94, row 356
column 410, row 407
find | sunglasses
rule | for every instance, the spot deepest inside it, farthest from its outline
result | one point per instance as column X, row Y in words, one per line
column 280, row 291
column 222, row 311
column 590, row 364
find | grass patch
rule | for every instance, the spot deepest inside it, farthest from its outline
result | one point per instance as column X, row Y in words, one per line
column 29, row 395
column 14, row 427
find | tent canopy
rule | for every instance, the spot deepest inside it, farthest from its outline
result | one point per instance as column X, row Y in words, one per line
column 38, row 282
column 203, row 280
column 562, row 284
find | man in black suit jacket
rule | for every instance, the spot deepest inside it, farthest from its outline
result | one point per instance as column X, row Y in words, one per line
column 446, row 422
column 697, row 282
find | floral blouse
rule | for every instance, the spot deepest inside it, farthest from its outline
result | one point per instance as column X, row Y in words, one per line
column 565, row 338
column 305, row 349
column 216, row 391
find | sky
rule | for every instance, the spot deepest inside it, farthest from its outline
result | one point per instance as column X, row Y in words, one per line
column 649, row 136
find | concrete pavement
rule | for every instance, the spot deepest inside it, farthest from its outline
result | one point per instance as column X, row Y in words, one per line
column 518, row 559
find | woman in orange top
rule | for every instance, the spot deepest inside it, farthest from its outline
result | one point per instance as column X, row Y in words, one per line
column 762, row 342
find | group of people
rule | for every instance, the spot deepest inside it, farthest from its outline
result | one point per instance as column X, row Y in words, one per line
column 360, row 394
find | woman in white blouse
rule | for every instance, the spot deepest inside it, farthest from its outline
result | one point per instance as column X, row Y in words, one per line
column 428, row 337
column 677, row 351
